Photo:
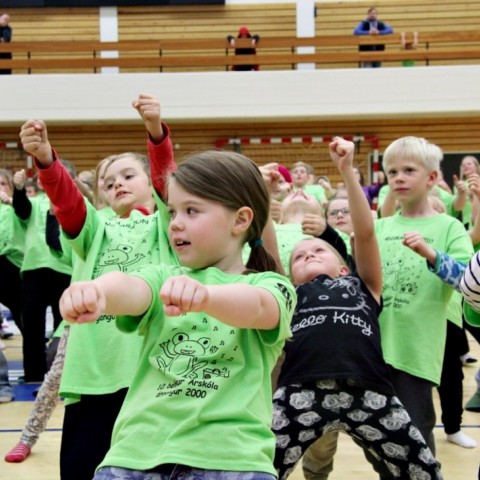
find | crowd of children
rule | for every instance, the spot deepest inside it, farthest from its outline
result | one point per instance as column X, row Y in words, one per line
column 176, row 289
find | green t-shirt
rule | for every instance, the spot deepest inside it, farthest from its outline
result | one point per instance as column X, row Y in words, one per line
column 202, row 392
column 37, row 254
column 454, row 309
column 445, row 197
column 12, row 235
column 467, row 212
column 100, row 359
column 289, row 234
column 413, row 320
column 316, row 191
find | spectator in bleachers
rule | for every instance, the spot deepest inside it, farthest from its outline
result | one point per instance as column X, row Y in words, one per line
column 5, row 37
column 372, row 26
column 244, row 32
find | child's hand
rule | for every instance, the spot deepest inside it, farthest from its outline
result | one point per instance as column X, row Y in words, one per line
column 148, row 107
column 82, row 302
column 276, row 210
column 34, row 138
column 5, row 198
column 271, row 175
column 474, row 184
column 313, row 224
column 182, row 294
column 341, row 152
column 417, row 243
column 460, row 185
column 19, row 179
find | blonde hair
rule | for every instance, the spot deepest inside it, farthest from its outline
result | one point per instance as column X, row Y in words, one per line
column 340, row 259
column 417, row 149
column 474, row 160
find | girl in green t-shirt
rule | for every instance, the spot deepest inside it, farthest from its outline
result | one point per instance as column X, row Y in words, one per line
column 100, row 360
column 200, row 402
column 12, row 240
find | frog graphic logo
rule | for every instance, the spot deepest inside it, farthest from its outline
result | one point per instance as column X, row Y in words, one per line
column 394, row 273
column 119, row 258
column 181, row 355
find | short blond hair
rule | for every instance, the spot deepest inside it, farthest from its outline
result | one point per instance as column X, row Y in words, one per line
column 418, row 149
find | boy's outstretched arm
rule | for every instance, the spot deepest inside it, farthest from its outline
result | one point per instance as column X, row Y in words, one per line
column 68, row 202
column 114, row 293
column 160, row 149
column 367, row 255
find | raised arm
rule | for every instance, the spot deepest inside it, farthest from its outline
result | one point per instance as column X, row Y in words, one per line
column 367, row 255
column 461, row 194
column 68, row 202
column 20, row 201
column 160, row 149
column 474, row 187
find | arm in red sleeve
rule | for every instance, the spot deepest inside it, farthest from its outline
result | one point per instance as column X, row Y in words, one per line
column 68, row 202
column 161, row 160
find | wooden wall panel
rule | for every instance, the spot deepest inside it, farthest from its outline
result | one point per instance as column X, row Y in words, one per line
column 340, row 18
column 86, row 145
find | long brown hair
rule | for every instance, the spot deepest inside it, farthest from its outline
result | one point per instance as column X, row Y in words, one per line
column 233, row 181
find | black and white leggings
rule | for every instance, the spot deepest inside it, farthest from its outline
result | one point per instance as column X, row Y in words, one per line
column 302, row 413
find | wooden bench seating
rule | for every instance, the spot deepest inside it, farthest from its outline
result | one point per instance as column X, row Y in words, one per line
column 282, row 52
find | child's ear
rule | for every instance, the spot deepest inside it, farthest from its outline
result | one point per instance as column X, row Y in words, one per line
column 243, row 219
column 343, row 271
column 433, row 178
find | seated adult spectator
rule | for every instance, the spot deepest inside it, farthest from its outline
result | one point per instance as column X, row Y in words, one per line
column 244, row 32
column 5, row 37
column 372, row 26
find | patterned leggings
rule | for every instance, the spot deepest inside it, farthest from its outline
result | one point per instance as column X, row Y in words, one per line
column 380, row 423
column 47, row 396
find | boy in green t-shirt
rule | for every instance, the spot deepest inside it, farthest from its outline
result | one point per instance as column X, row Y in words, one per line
column 413, row 321
column 300, row 177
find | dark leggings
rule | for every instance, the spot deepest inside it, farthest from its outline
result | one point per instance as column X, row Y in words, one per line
column 378, row 422
column 11, row 289
column 41, row 288
column 87, row 432
column 450, row 390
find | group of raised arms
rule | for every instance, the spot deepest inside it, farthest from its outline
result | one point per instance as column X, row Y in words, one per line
column 222, row 320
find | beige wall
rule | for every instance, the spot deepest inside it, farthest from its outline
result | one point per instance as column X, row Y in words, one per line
column 281, row 96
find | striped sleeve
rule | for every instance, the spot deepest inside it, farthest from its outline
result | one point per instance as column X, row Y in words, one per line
column 470, row 283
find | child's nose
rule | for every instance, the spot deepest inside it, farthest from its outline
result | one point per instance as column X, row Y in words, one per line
column 175, row 223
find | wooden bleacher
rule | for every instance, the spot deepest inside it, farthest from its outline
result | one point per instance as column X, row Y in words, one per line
column 87, row 144
column 204, row 54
